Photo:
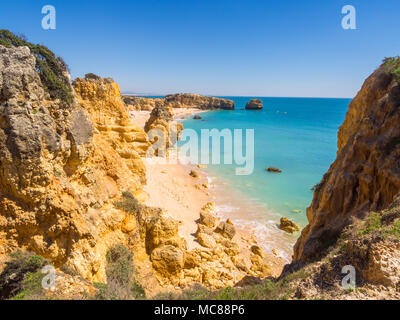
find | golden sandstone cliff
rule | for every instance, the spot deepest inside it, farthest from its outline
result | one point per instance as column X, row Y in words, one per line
column 366, row 173
column 72, row 175
column 180, row 100
column 62, row 166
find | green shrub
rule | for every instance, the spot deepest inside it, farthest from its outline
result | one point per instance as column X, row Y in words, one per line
column 392, row 65
column 31, row 286
column 121, row 284
column 52, row 70
column 18, row 274
column 385, row 224
column 128, row 203
column 373, row 223
column 119, row 264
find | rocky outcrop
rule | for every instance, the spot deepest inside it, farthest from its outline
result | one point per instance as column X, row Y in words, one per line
column 101, row 98
column 371, row 247
column 181, row 100
column 140, row 103
column 288, row 225
column 366, row 173
column 189, row 100
column 218, row 263
column 254, row 104
column 162, row 130
column 62, row 165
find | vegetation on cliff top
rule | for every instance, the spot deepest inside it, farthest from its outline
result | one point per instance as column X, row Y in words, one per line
column 52, row 70
column 392, row 65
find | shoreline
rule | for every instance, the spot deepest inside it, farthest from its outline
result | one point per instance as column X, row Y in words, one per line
column 140, row 117
column 170, row 187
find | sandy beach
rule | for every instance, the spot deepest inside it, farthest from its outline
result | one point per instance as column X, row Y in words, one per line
column 169, row 186
column 140, row 117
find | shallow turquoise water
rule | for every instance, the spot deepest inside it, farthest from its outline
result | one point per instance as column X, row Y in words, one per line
column 296, row 135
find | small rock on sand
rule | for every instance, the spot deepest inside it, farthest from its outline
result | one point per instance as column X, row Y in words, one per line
column 194, row 174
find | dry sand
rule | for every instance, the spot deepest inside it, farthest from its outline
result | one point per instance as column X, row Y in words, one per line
column 170, row 187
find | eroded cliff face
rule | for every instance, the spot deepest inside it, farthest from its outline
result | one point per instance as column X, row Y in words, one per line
column 141, row 103
column 366, row 173
column 189, row 100
column 63, row 166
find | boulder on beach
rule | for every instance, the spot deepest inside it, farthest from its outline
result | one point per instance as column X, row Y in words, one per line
column 288, row 225
column 194, row 174
column 254, row 104
column 226, row 229
column 273, row 169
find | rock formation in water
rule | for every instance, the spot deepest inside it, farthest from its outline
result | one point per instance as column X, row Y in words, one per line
column 181, row 100
column 254, row 104
column 189, row 100
column 366, row 173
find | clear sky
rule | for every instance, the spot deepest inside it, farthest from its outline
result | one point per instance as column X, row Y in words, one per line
column 218, row 47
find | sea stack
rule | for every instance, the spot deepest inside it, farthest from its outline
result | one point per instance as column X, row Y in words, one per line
column 254, row 104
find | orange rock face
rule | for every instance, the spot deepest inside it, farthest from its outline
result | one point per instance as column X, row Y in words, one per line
column 63, row 167
column 366, row 173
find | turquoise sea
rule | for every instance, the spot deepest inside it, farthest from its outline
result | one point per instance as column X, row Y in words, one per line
column 296, row 135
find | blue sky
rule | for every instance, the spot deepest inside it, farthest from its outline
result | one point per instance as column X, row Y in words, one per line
column 218, row 47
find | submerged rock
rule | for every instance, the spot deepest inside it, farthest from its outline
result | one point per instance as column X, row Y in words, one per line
column 273, row 169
